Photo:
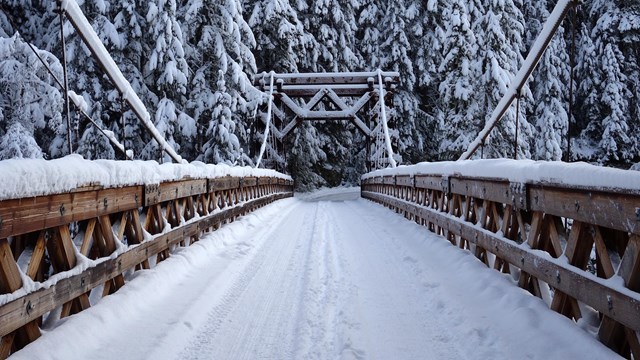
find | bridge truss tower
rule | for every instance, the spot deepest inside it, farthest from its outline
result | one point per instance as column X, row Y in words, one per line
column 364, row 98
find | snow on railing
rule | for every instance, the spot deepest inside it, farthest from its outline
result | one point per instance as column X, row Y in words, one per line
column 568, row 233
column 579, row 174
column 71, row 227
column 21, row 178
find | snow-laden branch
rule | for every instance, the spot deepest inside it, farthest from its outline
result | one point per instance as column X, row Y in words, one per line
column 90, row 38
column 266, row 131
column 385, row 126
column 535, row 54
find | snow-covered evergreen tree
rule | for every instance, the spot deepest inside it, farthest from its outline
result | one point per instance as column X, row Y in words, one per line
column 550, row 86
column 332, row 24
column 500, row 34
column 459, row 125
column 219, row 40
column 605, row 97
column 166, row 121
column 31, row 105
column 279, row 35
column 223, row 145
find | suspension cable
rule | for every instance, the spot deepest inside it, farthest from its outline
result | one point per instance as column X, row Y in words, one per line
column 113, row 141
column 65, row 77
column 383, row 107
column 268, row 127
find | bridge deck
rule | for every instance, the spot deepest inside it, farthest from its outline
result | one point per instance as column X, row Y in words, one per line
column 319, row 278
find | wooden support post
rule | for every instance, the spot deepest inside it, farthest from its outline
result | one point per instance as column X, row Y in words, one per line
column 106, row 231
column 36, row 257
column 10, row 281
column 6, row 344
column 87, row 242
column 578, row 250
column 611, row 333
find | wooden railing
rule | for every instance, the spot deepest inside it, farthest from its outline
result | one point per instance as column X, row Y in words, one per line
column 45, row 240
column 578, row 248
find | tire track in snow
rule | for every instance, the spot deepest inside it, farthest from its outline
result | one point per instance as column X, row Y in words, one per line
column 253, row 319
column 396, row 312
column 322, row 333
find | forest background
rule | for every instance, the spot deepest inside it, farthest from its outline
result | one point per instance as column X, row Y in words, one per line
column 193, row 64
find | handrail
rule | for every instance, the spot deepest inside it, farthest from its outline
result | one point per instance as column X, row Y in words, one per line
column 542, row 234
column 93, row 235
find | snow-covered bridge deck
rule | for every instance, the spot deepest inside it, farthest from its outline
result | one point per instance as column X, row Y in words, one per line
column 327, row 277
column 182, row 260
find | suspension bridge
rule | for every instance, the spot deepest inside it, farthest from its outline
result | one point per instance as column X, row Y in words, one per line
column 464, row 259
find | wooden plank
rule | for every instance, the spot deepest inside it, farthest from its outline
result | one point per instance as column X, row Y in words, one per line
column 27, row 215
column 104, row 223
column 14, row 314
column 493, row 190
column 87, row 241
column 404, row 180
column 622, row 306
column 36, row 256
column 604, row 264
column 349, row 79
column 225, row 183
column 155, row 194
column 10, row 282
column 5, row 345
column 608, row 209
column 611, row 331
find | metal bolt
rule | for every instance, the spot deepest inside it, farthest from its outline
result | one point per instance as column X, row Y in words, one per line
column 577, row 205
column 61, row 209
column 609, row 303
column 558, row 276
column 29, row 307
column 105, row 202
column 82, row 282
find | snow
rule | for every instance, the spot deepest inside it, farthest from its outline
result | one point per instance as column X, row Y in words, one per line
column 79, row 101
column 526, row 171
column 91, row 39
column 318, row 279
column 383, row 114
column 268, row 123
column 518, row 82
column 22, row 178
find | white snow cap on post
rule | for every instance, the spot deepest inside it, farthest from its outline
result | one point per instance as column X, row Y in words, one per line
column 385, row 126
column 90, row 38
column 538, row 48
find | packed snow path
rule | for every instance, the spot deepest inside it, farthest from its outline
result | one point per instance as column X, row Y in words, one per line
column 328, row 276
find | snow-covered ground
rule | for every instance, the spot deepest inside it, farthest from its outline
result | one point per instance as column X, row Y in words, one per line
column 320, row 276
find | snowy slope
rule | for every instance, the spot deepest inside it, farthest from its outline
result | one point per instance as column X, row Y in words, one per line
column 319, row 280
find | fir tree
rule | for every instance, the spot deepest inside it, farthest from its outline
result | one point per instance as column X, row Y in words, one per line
column 459, row 126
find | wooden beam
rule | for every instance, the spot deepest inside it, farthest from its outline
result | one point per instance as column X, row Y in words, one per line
column 10, row 281
column 623, row 306
column 21, row 216
column 611, row 331
column 13, row 315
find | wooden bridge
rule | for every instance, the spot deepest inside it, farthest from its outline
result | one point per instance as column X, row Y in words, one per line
column 575, row 246
column 565, row 236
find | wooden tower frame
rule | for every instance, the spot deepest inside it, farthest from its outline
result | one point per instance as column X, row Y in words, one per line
column 341, row 97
